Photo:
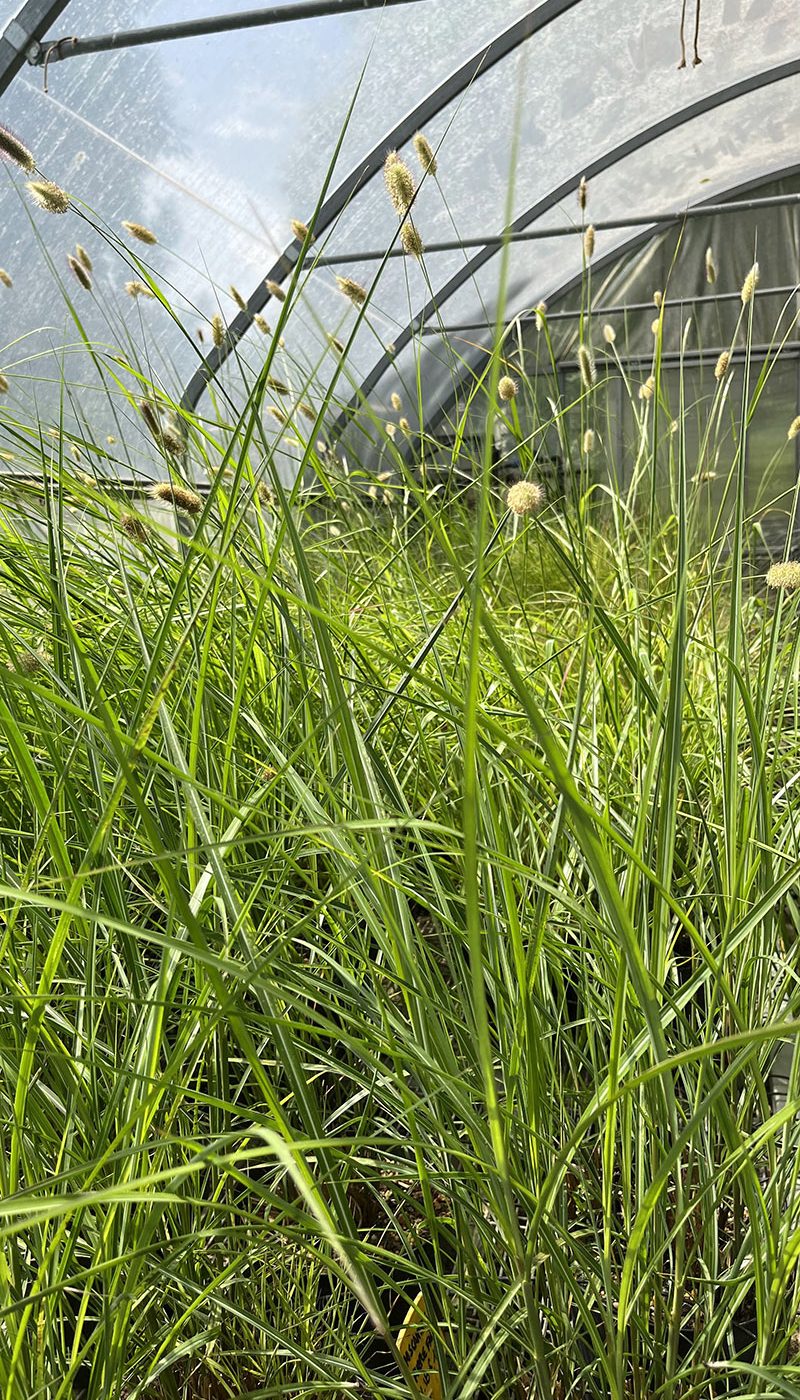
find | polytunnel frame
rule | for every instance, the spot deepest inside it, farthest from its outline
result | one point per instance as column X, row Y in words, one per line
column 481, row 62
column 623, row 250
column 680, row 117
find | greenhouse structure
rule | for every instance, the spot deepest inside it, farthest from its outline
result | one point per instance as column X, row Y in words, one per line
column 399, row 699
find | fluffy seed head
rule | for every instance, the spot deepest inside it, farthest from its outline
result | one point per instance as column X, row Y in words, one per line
column 411, row 240
column 540, row 312
column 609, row 334
column 261, row 324
column 217, row 329
column 179, row 496
column 749, row 285
column 238, row 298
column 391, row 429
column 647, row 389
column 5, row 278
column 30, row 662
column 307, row 412
column 721, row 367
column 404, row 426
column 83, row 257
column 397, row 403
column 786, row 576
column 425, row 155
column 275, row 289
column 277, row 385
column 507, row 388
column 587, row 366
column 399, row 183
column 139, row 231
column 151, row 418
column 173, row 440
column 134, row 528
column 138, row 289
column 335, row 344
column 525, row 497
column 48, row 196
column 794, row 428
column 583, row 190
column 711, row 266
column 658, row 297
column 3, row 384
column 300, row 230
column 79, row 272
column 588, row 242
column 588, row 441
column 12, row 149
column 655, row 326
column 278, row 414
column 352, row 290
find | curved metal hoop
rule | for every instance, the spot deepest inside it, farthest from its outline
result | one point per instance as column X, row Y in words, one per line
column 542, row 206
column 475, row 67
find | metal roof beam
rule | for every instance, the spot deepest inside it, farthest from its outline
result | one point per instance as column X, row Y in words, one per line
column 543, row 206
column 526, row 318
column 497, row 240
column 56, row 50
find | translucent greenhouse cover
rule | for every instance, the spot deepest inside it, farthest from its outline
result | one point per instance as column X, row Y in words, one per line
column 217, row 143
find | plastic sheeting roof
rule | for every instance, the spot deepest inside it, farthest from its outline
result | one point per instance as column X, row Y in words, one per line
column 218, row 142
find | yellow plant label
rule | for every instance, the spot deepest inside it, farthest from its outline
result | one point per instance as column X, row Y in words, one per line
column 415, row 1345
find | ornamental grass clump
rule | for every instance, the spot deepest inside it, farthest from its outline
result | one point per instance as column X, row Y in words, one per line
column 399, row 904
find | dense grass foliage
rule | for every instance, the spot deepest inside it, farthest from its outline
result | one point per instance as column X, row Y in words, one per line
column 398, row 897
